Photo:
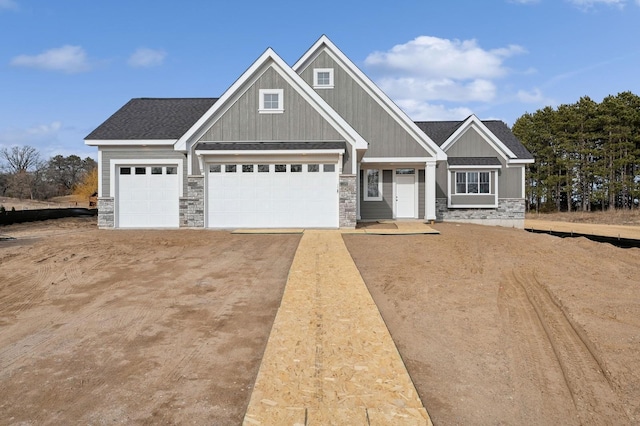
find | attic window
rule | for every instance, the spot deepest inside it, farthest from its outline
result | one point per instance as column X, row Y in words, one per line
column 323, row 78
column 271, row 101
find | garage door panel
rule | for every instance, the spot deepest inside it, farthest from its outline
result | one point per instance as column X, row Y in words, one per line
column 148, row 200
column 272, row 199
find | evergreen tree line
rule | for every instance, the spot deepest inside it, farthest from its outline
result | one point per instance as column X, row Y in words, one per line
column 587, row 154
column 25, row 175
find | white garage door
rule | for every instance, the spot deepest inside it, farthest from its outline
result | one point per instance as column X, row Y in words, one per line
column 148, row 196
column 272, row 195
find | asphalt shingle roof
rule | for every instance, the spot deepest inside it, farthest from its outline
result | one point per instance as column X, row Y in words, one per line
column 153, row 118
column 440, row 131
column 473, row 161
column 267, row 146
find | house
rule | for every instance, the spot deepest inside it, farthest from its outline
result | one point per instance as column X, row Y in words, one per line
column 317, row 144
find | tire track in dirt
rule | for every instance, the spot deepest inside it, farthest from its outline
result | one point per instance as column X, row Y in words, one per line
column 530, row 356
column 591, row 391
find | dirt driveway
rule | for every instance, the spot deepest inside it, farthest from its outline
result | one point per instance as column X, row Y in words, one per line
column 500, row 326
column 155, row 327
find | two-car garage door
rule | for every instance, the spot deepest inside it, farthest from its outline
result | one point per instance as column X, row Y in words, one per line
column 283, row 195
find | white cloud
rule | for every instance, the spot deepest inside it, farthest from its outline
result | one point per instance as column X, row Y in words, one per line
column 533, row 96
column 589, row 4
column 433, row 57
column 444, row 89
column 68, row 59
column 30, row 136
column 427, row 71
column 144, row 58
column 424, row 111
column 8, row 4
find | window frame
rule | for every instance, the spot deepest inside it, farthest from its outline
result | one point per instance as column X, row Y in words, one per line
column 366, row 196
column 261, row 103
column 316, row 82
column 468, row 180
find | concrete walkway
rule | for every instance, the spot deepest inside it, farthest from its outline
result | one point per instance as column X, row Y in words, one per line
column 330, row 359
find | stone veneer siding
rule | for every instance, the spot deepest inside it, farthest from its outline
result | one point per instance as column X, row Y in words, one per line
column 509, row 210
column 348, row 196
column 192, row 206
column 106, row 213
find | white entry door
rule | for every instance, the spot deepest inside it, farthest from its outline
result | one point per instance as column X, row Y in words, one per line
column 405, row 194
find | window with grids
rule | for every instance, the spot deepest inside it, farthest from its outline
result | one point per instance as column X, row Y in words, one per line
column 323, row 78
column 271, row 101
column 473, row 183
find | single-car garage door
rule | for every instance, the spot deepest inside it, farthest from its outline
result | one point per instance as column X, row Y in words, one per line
column 148, row 196
column 286, row 195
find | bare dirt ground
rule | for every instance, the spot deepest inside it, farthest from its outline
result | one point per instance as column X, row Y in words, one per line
column 611, row 217
column 54, row 203
column 146, row 327
column 500, row 326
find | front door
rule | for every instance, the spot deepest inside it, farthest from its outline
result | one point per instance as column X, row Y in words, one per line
column 405, row 193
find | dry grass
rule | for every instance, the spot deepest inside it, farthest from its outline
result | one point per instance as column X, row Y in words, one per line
column 611, row 217
column 53, row 203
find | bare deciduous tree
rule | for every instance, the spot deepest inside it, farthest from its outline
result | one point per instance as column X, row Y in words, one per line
column 20, row 158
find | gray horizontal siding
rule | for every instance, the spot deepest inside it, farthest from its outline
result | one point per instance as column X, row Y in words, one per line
column 141, row 153
column 370, row 210
column 386, row 137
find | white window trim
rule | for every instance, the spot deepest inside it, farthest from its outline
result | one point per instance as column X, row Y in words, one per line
column 279, row 110
column 316, row 84
column 366, row 196
column 466, row 172
column 493, row 189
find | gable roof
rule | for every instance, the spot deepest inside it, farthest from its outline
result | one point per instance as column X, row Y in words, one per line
column 442, row 131
column 270, row 59
column 324, row 44
column 152, row 119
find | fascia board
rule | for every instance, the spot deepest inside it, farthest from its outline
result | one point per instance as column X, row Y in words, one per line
column 518, row 161
column 387, row 104
column 484, row 131
column 130, row 142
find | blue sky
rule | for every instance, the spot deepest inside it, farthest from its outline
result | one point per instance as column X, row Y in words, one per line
column 67, row 65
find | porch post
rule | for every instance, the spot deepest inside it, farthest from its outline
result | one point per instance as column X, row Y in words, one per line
column 358, row 189
column 430, row 190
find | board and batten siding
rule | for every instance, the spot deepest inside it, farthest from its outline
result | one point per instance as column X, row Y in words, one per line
column 371, row 210
column 299, row 122
column 510, row 182
column 138, row 153
column 386, row 137
column 472, row 144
